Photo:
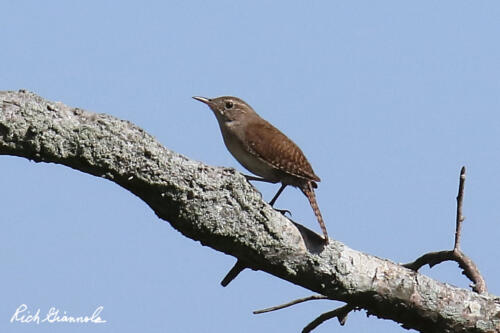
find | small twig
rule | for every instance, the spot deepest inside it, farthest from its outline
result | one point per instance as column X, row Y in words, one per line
column 233, row 273
column 297, row 301
column 431, row 259
column 460, row 217
column 341, row 314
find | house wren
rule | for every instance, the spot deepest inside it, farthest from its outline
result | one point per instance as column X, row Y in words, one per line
column 263, row 149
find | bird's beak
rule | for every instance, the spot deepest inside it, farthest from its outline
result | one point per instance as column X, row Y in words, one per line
column 202, row 99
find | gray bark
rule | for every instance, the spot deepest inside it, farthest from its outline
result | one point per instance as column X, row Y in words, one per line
column 218, row 207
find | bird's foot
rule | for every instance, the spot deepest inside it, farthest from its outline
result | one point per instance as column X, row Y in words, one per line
column 283, row 211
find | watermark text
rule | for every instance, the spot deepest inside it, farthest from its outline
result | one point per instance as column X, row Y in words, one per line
column 54, row 315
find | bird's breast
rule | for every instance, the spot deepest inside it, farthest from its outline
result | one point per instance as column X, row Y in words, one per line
column 235, row 143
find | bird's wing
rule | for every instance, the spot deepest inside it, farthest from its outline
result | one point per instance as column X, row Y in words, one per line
column 276, row 149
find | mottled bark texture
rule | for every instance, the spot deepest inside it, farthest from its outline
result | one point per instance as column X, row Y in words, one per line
column 218, row 207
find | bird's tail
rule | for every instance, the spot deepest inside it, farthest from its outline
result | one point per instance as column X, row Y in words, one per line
column 308, row 190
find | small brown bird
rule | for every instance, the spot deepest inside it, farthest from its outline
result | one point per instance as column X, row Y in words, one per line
column 263, row 149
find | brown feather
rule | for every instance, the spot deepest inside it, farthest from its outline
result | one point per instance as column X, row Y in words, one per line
column 307, row 189
column 289, row 158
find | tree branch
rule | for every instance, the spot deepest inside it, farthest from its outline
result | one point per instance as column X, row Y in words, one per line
column 217, row 207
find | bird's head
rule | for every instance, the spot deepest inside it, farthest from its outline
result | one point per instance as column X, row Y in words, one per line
column 227, row 108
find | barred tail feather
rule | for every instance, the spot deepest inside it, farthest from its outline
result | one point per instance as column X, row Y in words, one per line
column 308, row 190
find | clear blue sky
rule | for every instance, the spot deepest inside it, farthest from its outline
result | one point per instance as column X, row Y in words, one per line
column 387, row 99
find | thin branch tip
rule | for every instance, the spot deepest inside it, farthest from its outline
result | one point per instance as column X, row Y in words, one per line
column 286, row 305
column 459, row 217
column 238, row 267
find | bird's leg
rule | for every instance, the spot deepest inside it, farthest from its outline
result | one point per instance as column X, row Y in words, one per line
column 273, row 200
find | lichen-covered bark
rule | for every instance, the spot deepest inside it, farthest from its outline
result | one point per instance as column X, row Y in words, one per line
column 217, row 207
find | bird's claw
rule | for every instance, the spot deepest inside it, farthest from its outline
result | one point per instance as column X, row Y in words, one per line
column 283, row 211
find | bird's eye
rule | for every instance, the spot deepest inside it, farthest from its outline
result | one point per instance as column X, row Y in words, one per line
column 229, row 105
